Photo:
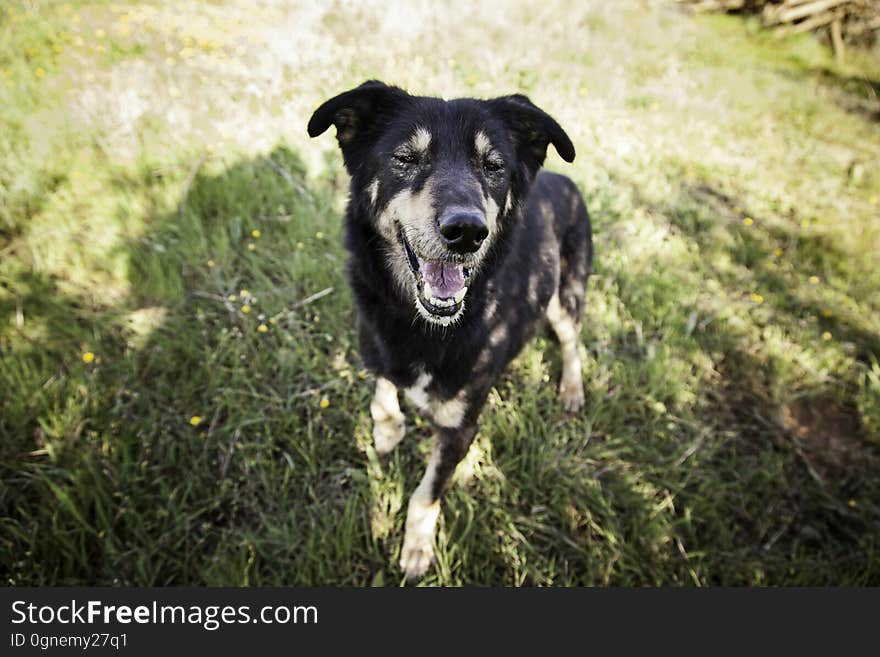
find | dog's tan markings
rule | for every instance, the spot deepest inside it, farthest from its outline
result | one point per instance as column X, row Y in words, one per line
column 388, row 422
column 373, row 190
column 571, row 385
column 491, row 213
column 411, row 212
column 417, row 393
column 449, row 414
column 482, row 144
column 420, row 140
column 417, row 552
column 446, row 413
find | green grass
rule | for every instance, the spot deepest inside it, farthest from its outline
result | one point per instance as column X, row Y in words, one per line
column 732, row 331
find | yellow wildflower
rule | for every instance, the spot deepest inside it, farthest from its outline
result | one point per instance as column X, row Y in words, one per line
column 211, row 263
column 262, row 328
column 255, row 233
column 40, row 72
column 748, row 221
column 814, row 280
column 245, row 293
column 826, row 336
column 319, row 235
column 851, row 504
column 777, row 252
column 324, row 403
column 757, row 298
column 245, row 309
column 88, row 357
column 195, row 420
column 299, row 245
column 252, row 247
column 232, row 297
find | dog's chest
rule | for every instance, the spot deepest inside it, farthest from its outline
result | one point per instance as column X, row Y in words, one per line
column 417, row 393
column 447, row 413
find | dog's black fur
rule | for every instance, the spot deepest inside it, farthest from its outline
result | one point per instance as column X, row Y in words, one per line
column 474, row 161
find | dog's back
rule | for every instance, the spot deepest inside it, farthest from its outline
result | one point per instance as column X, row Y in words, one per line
column 555, row 198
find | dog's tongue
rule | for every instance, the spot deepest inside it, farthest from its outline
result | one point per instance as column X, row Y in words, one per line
column 444, row 279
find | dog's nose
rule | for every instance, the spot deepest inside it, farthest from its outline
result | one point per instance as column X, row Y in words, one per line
column 463, row 231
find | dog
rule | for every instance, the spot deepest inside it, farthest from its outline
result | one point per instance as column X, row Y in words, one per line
column 460, row 248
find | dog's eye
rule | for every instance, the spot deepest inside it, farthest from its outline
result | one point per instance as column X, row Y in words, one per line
column 406, row 157
column 493, row 165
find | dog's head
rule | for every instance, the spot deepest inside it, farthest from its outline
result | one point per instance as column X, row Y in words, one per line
column 439, row 180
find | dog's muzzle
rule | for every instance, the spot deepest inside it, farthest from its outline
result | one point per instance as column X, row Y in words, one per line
column 440, row 286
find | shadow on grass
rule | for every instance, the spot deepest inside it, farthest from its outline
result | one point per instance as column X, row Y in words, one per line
column 149, row 443
column 822, row 455
column 856, row 95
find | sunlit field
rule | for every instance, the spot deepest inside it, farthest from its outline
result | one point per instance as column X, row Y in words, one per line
column 181, row 397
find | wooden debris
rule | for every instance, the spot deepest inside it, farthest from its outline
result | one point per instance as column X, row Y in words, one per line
column 846, row 21
column 837, row 40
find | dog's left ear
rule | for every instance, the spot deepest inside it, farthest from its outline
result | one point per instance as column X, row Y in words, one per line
column 357, row 113
column 532, row 129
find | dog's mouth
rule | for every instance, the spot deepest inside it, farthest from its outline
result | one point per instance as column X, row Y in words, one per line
column 440, row 286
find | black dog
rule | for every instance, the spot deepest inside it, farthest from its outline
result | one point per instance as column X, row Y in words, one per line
column 459, row 250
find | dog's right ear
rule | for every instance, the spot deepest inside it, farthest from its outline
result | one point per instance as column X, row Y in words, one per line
column 356, row 113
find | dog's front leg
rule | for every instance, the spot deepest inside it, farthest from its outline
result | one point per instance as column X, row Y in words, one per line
column 450, row 447
column 388, row 422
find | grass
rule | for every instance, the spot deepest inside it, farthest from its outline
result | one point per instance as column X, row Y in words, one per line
column 732, row 334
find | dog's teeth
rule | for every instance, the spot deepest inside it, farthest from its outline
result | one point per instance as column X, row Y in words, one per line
column 442, row 303
column 460, row 295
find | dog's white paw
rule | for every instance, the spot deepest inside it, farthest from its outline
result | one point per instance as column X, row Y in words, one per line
column 387, row 434
column 572, row 395
column 417, row 555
